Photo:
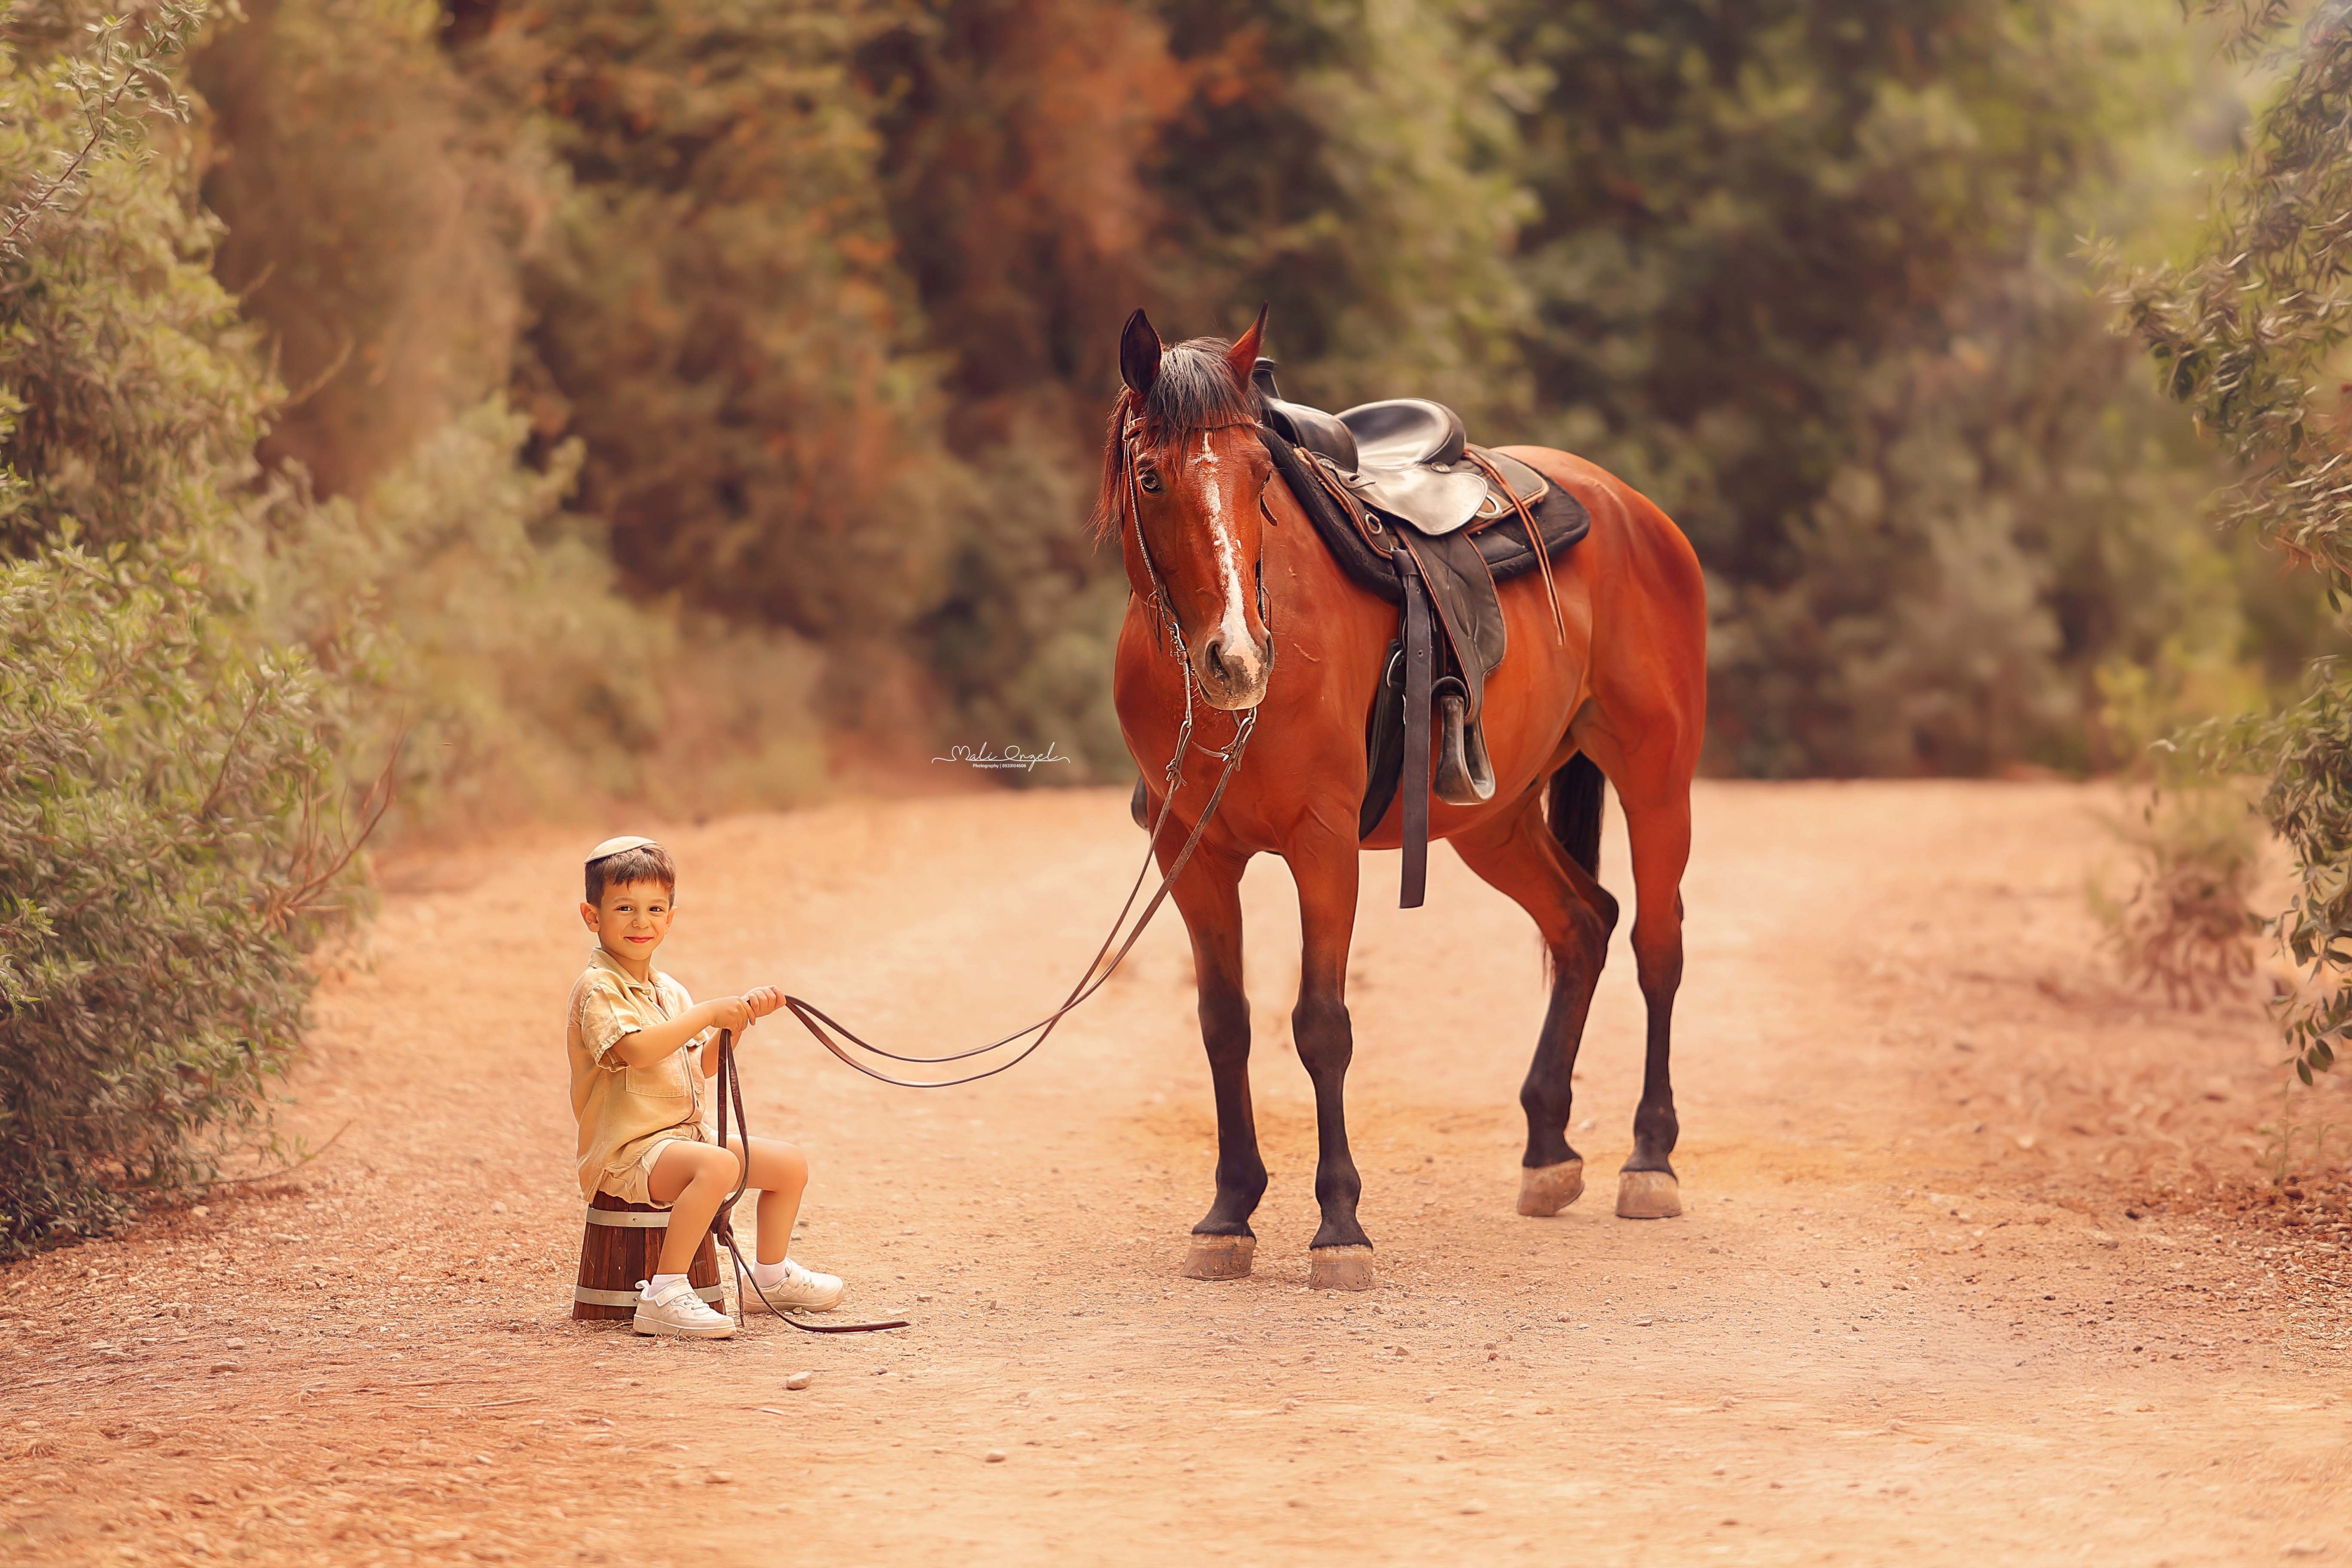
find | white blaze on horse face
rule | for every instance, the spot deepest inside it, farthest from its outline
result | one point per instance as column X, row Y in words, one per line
column 1241, row 648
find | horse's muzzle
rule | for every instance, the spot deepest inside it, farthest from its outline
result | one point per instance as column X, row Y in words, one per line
column 1233, row 676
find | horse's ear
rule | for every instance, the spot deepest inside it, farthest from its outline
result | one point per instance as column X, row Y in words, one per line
column 1139, row 354
column 1242, row 357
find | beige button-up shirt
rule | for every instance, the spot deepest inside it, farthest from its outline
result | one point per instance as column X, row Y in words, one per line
column 624, row 1108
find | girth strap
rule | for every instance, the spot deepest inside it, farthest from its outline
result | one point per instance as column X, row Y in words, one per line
column 1420, row 675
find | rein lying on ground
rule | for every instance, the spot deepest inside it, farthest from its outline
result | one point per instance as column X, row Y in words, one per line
column 722, row 1224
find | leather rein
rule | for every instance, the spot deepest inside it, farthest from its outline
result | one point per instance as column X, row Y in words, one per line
column 722, row 1224
column 840, row 1041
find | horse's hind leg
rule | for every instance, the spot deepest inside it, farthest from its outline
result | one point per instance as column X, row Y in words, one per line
column 1209, row 895
column 1519, row 856
column 1660, row 834
column 1341, row 1256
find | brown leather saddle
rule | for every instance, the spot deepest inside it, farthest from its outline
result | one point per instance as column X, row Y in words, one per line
column 1416, row 513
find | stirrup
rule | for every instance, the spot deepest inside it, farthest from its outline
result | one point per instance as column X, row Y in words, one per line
column 1464, row 775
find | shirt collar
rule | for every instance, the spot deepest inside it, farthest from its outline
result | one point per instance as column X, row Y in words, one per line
column 600, row 959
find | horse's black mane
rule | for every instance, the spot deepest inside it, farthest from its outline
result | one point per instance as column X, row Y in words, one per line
column 1196, row 390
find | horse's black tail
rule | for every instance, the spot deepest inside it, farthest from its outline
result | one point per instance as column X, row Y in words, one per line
column 1575, row 811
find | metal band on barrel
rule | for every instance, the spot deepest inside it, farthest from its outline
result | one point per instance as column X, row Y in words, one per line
column 624, row 1219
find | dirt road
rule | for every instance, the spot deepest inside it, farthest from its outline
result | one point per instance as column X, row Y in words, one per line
column 1954, row 1285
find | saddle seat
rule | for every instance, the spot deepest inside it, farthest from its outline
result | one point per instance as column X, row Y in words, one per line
column 1406, row 458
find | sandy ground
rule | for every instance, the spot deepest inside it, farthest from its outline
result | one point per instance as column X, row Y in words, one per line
column 1975, row 1265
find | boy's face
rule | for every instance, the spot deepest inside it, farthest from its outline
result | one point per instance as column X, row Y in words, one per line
column 630, row 921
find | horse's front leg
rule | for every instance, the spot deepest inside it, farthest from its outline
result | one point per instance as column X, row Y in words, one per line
column 1341, row 1258
column 1209, row 896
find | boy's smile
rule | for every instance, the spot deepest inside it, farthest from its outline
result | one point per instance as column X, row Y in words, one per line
column 630, row 921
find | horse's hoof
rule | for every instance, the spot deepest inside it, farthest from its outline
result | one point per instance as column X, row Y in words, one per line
column 1340, row 1269
column 1545, row 1190
column 1220, row 1257
column 1648, row 1195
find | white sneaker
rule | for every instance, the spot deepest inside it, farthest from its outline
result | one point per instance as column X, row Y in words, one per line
column 800, row 1288
column 678, row 1312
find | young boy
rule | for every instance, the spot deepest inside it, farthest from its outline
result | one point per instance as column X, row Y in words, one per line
column 639, row 1089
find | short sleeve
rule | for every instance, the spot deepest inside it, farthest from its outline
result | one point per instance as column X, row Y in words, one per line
column 607, row 1015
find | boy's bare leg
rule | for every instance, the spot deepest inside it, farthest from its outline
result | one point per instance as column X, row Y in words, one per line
column 781, row 1173
column 693, row 1179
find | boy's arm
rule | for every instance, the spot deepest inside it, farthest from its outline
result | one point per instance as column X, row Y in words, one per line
column 759, row 1002
column 644, row 1047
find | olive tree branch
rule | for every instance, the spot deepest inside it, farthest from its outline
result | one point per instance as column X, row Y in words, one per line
column 127, row 67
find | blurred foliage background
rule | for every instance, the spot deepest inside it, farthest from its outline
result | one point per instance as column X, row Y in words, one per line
column 523, row 406
column 795, row 323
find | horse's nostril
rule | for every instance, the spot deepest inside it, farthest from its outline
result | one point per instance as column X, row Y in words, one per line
column 1213, row 654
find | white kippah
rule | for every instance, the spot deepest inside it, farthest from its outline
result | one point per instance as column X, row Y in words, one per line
column 615, row 846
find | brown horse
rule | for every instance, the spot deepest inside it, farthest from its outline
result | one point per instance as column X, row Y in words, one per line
column 1267, row 621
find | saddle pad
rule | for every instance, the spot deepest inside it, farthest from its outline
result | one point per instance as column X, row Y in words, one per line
column 1526, row 484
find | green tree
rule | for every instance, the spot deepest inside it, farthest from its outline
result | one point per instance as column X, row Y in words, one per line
column 719, row 315
column 420, row 536
column 1358, row 166
column 1800, row 272
column 1052, row 164
column 379, row 213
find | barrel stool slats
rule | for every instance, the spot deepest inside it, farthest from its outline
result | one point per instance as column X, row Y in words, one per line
column 619, row 1245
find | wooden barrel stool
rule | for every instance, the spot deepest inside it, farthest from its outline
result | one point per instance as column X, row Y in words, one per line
column 620, row 1245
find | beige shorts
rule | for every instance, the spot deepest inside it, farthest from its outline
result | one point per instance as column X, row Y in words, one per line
column 632, row 1183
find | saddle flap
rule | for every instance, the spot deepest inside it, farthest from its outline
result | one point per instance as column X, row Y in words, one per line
column 1434, row 500
column 1454, row 576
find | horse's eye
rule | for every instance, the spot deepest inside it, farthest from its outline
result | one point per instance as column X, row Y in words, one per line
column 1149, row 481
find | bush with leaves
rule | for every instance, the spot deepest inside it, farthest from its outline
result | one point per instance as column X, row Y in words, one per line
column 2186, row 927
column 168, row 837
column 2251, row 337
column 457, row 603
column 170, row 823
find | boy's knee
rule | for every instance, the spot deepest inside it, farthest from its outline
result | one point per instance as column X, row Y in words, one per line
column 791, row 1165
column 720, row 1167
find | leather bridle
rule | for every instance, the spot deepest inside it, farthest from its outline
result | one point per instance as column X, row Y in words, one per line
column 1130, row 436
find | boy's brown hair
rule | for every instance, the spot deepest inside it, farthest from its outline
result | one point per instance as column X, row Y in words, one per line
column 646, row 863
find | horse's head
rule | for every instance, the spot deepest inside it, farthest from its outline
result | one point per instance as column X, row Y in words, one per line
column 1181, row 479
